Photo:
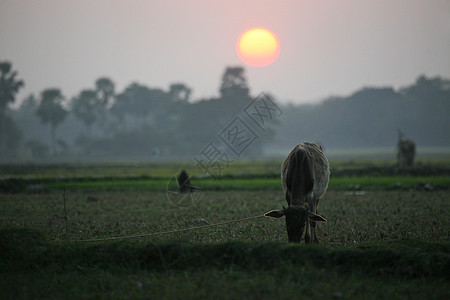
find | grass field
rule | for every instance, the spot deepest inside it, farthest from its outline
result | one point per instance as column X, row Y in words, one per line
column 387, row 235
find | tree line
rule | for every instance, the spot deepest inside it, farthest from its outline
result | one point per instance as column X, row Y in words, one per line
column 139, row 121
column 371, row 117
column 154, row 123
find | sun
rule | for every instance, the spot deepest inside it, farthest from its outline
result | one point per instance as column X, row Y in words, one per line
column 258, row 47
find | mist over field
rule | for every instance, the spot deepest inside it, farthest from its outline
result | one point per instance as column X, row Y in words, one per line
column 160, row 124
column 166, row 80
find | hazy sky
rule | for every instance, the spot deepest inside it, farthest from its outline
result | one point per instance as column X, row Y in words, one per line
column 328, row 47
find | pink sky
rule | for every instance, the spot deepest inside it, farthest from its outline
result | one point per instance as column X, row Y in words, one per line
column 328, row 47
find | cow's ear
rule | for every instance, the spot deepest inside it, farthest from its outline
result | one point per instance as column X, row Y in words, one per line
column 275, row 213
column 315, row 217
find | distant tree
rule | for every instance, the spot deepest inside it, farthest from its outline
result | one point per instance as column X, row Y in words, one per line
column 29, row 105
column 51, row 111
column 85, row 107
column 136, row 100
column 9, row 87
column 139, row 101
column 179, row 92
column 105, row 91
column 234, row 83
column 426, row 106
column 118, row 110
column 12, row 139
column 29, row 121
column 428, row 88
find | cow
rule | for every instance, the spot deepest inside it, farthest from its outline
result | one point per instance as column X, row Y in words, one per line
column 304, row 175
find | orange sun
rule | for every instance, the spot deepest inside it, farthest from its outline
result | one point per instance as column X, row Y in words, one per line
column 258, row 47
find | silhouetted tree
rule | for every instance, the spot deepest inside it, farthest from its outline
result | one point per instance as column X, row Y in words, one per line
column 105, row 90
column 118, row 110
column 139, row 101
column 428, row 88
column 29, row 121
column 234, row 83
column 179, row 92
column 51, row 111
column 12, row 139
column 136, row 100
column 85, row 107
column 9, row 87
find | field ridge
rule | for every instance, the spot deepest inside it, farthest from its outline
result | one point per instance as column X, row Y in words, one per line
column 24, row 249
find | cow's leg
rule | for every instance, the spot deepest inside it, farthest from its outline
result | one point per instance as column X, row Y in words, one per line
column 307, row 233
column 313, row 232
column 309, row 205
column 315, row 240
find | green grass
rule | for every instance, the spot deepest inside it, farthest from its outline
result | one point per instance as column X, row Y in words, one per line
column 388, row 182
column 352, row 217
column 155, row 170
column 405, row 257
column 227, row 183
column 168, row 169
column 385, row 238
column 240, row 175
column 32, row 267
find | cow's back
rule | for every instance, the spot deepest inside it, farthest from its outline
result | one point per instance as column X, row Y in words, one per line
column 319, row 165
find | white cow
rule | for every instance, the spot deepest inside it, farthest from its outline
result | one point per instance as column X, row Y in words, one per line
column 304, row 175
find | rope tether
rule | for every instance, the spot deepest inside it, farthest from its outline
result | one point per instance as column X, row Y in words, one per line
column 166, row 232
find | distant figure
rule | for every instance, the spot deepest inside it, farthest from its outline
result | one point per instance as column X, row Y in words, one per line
column 406, row 151
column 184, row 183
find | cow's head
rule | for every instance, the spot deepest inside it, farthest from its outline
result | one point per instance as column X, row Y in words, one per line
column 296, row 218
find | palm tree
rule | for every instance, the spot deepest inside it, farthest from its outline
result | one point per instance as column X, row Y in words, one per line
column 9, row 86
column 51, row 111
